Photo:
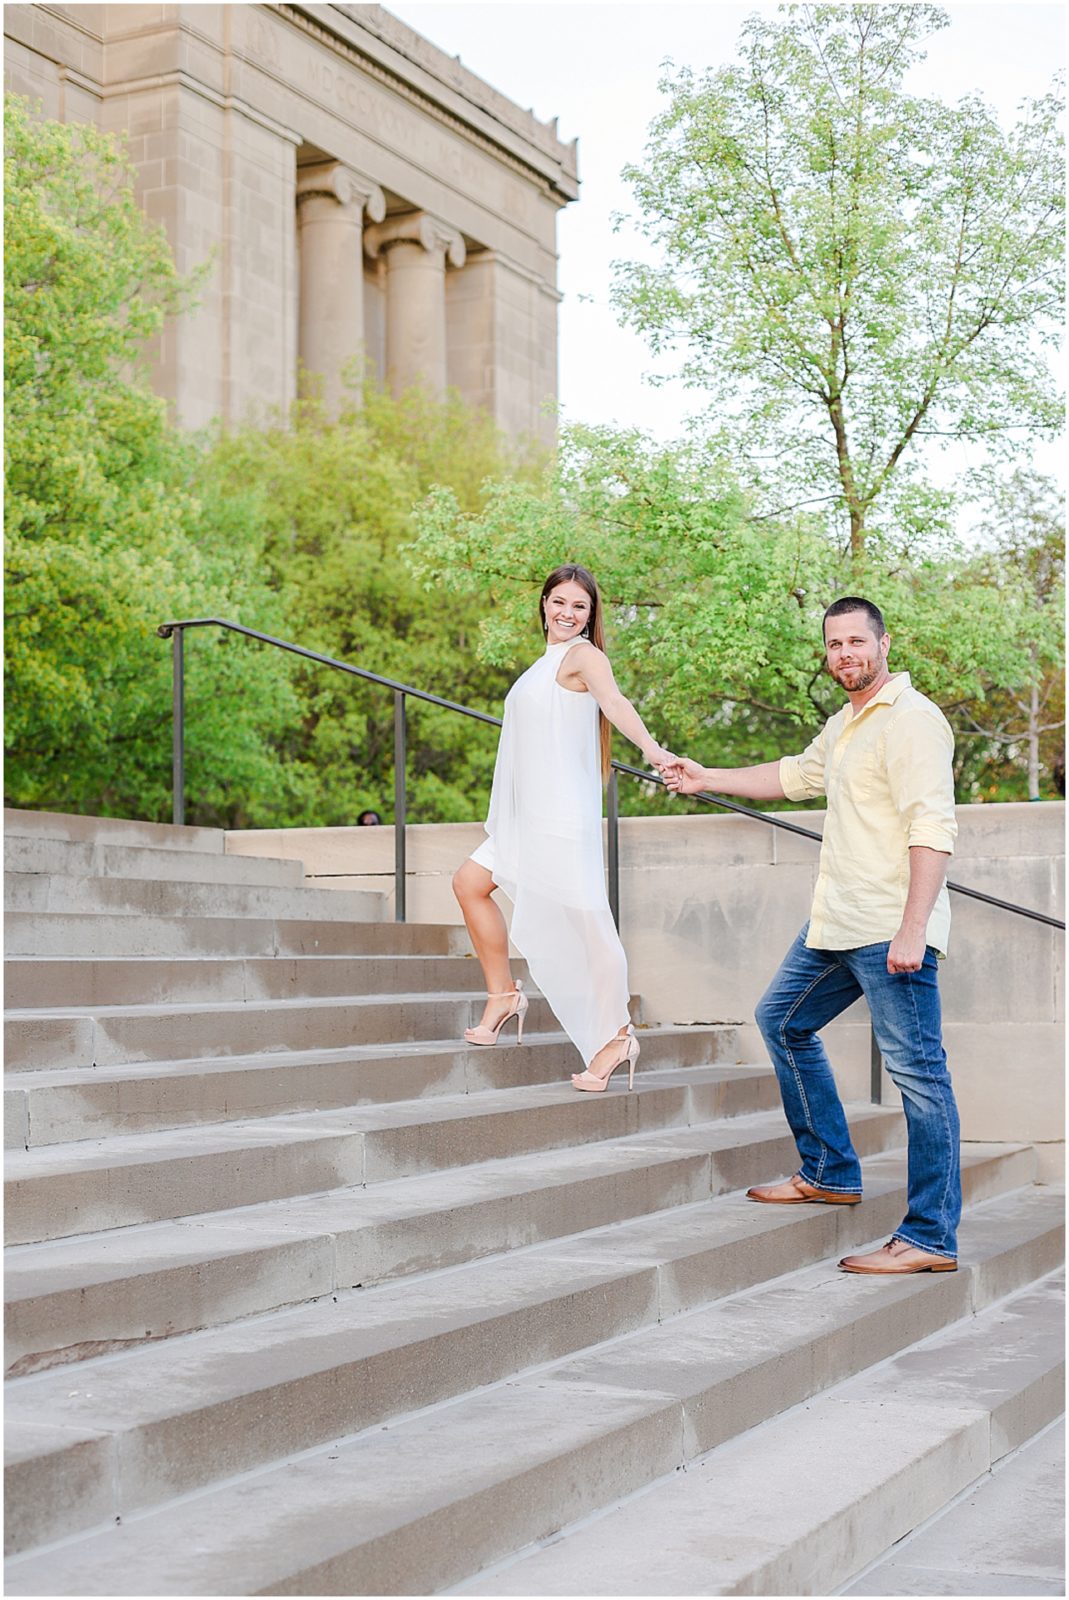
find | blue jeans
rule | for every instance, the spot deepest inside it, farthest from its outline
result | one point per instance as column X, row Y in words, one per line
column 812, row 987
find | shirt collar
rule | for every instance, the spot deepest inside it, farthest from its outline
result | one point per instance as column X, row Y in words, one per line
column 887, row 696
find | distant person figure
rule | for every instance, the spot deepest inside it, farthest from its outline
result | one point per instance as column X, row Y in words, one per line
column 368, row 819
column 880, row 917
column 543, row 845
column 1057, row 773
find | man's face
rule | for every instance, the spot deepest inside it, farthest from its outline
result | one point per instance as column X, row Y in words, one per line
column 856, row 658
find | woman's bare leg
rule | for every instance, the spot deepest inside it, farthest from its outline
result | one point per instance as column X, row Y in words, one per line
column 473, row 887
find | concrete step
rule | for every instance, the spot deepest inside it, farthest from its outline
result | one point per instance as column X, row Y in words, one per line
column 111, row 1036
column 73, row 1299
column 43, row 1108
column 1004, row 1535
column 110, row 934
column 39, row 983
column 108, row 1183
column 431, row 1496
column 38, row 892
column 745, row 1520
column 53, row 857
column 111, row 830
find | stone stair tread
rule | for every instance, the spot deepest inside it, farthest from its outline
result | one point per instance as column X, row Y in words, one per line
column 362, row 1499
column 437, row 1307
column 77, row 1264
column 124, row 1179
column 401, row 960
column 744, row 1520
column 81, row 1036
column 30, row 892
column 688, row 1355
column 69, row 1104
column 202, row 1139
column 72, row 1298
column 89, row 982
column 198, row 1066
column 56, row 1264
column 73, row 827
column 219, row 1007
column 1003, row 1536
column 158, row 936
column 140, row 1388
column 104, row 859
column 502, row 1446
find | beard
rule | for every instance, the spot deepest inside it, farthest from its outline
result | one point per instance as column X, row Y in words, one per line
column 866, row 678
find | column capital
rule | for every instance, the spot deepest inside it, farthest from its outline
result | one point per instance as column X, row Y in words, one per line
column 343, row 184
column 416, row 227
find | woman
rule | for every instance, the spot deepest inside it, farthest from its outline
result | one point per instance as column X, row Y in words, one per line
column 544, row 840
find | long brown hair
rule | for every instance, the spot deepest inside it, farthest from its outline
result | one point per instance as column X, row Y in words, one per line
column 594, row 631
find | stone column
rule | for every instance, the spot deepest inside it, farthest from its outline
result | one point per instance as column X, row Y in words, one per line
column 331, row 202
column 416, row 247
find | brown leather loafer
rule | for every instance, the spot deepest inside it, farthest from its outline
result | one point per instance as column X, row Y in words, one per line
column 897, row 1256
column 796, row 1192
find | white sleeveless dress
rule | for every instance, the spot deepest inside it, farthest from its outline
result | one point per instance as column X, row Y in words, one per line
column 544, row 850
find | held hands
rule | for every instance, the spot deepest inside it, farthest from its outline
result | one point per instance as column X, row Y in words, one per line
column 655, row 755
column 683, row 776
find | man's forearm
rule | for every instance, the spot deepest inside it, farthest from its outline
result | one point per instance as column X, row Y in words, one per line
column 927, row 870
column 750, row 783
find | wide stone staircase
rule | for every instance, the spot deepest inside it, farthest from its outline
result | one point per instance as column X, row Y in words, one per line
column 305, row 1296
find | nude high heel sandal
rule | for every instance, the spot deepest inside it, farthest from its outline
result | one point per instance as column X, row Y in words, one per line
column 590, row 1083
column 518, row 1009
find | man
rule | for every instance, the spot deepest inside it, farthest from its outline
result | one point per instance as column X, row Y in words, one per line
column 879, row 919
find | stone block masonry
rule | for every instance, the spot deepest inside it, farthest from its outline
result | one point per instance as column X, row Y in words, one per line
column 360, row 196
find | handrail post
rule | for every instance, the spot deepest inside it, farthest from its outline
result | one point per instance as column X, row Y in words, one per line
column 400, row 807
column 614, row 846
column 875, row 1069
column 178, row 730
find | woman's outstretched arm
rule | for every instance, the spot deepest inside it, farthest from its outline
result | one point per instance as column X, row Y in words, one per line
column 592, row 667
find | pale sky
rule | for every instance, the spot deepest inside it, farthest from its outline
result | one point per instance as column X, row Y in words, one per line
column 595, row 66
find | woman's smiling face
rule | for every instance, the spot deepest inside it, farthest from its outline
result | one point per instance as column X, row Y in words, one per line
column 567, row 612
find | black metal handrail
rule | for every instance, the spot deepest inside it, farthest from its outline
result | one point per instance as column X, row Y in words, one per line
column 401, row 691
column 173, row 631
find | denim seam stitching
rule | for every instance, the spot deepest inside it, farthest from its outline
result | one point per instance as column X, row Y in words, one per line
column 927, row 1248
column 946, row 1122
column 818, row 1180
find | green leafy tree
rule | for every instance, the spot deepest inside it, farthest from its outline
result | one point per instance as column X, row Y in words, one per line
column 714, row 613
column 1016, row 728
column 107, row 531
column 850, row 269
column 335, row 501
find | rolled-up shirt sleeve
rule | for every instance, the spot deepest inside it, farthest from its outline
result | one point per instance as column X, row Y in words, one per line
column 919, row 752
column 802, row 777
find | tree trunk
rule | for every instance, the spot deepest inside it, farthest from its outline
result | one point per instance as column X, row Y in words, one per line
column 857, row 532
column 1033, row 742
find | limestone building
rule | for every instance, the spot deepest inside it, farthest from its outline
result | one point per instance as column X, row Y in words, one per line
column 357, row 190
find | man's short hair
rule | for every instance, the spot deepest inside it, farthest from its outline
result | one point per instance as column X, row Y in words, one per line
column 854, row 602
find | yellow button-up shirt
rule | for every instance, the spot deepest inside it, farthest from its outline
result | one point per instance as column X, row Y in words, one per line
column 887, row 774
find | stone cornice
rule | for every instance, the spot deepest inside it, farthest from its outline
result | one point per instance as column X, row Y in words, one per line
column 345, row 35
column 450, row 71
